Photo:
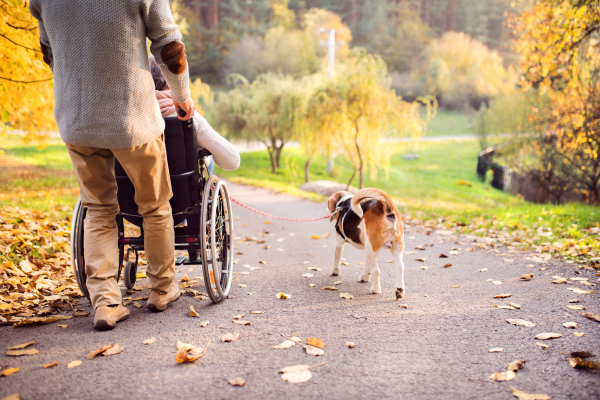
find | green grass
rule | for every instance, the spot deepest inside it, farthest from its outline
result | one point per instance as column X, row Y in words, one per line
column 447, row 123
column 53, row 154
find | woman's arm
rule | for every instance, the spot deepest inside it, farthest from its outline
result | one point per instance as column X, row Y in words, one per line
column 224, row 153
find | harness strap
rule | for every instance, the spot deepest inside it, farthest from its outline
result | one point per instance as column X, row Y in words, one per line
column 338, row 208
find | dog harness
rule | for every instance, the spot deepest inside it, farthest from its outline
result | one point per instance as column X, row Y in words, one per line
column 342, row 207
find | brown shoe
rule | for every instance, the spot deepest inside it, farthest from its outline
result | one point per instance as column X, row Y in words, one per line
column 106, row 317
column 159, row 302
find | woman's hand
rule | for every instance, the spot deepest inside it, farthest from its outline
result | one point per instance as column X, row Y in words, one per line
column 188, row 107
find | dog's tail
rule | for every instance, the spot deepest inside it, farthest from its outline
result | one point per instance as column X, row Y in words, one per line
column 374, row 194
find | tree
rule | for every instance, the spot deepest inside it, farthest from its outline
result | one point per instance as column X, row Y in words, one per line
column 26, row 82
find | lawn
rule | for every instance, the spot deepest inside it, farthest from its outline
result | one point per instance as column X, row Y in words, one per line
column 447, row 123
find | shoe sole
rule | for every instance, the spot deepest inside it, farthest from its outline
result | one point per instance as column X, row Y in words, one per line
column 154, row 308
column 102, row 325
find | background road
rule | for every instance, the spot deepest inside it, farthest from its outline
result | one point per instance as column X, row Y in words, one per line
column 437, row 348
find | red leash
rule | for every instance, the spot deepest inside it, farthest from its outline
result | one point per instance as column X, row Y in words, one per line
column 271, row 216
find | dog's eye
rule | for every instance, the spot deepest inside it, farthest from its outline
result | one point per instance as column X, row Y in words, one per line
column 392, row 217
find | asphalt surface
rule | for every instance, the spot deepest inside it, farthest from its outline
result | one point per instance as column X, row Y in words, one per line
column 435, row 349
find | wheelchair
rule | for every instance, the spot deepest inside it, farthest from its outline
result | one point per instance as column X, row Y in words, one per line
column 202, row 216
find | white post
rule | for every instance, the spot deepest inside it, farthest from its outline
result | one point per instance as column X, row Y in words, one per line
column 331, row 52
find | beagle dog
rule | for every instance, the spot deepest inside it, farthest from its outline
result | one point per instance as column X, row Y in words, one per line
column 368, row 220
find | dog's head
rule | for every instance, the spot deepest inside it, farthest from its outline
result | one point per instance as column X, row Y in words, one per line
column 332, row 201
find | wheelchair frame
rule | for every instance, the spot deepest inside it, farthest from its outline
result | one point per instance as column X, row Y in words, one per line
column 208, row 242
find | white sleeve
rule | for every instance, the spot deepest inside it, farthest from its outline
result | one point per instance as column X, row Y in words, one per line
column 224, row 153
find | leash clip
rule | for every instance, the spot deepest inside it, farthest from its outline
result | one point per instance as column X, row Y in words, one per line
column 337, row 210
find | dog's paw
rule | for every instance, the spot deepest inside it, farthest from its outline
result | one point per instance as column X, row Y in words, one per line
column 364, row 278
column 335, row 273
column 376, row 289
column 399, row 293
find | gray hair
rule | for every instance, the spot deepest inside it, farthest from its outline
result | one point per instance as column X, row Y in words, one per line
column 159, row 80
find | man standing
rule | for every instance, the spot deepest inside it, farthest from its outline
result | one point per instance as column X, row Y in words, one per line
column 105, row 108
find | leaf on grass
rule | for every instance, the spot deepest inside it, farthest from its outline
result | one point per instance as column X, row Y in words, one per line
column 283, row 296
column 579, row 334
column 92, row 354
column 547, row 335
column 240, row 322
column 316, row 342
column 579, row 363
column 526, row 277
column 521, row 322
column 329, row 288
column 21, row 352
column 570, row 325
column 296, row 373
column 21, row 346
column 230, row 337
column 315, row 237
column 116, row 349
column 591, row 316
column 286, row 344
column 528, row 396
column 313, row 351
column 74, row 364
column 503, row 376
column 515, row 365
column 237, row 381
column 50, row 365
column 204, row 324
column 149, row 341
column 582, row 354
column 580, row 291
column 542, row 345
column 9, row 371
column 447, row 265
column 495, row 350
column 346, row 296
column 193, row 312
column 560, row 280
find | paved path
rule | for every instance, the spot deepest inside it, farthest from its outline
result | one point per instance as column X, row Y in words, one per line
column 435, row 349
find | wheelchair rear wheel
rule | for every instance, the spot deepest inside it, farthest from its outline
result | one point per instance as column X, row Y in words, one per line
column 216, row 231
column 77, row 259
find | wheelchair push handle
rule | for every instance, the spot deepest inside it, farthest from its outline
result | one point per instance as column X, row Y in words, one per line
column 181, row 112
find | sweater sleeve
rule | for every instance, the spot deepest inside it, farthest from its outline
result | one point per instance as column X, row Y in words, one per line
column 167, row 48
column 224, row 153
column 44, row 41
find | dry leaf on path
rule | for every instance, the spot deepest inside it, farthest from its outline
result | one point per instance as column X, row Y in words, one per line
column 447, row 265
column 256, row 312
column 502, row 296
column 528, row 396
column 237, row 381
column 183, row 356
column 180, row 345
column 421, row 259
column 580, row 291
column 62, row 326
column 515, row 305
column 542, row 345
column 204, row 324
column 283, row 296
column 296, row 339
column 313, row 351
column 442, row 256
column 570, row 325
column 240, row 322
column 329, row 288
column 315, row 237
column 239, row 316
column 21, row 352
column 74, row 364
column 579, row 334
column 515, row 365
column 21, row 346
column 579, row 363
column 504, row 307
column 296, row 373
column 316, row 342
column 149, row 341
column 560, row 280
column 286, row 344
column 241, row 285
column 137, row 305
column 81, row 314
column 116, row 349
column 582, row 354
column 9, row 371
column 576, row 307
column 327, row 235
column 350, row 345
column 307, row 275
column 547, row 335
column 495, row 350
column 35, row 321
column 50, row 365
column 526, row 277
column 497, row 283
column 403, row 306
column 337, row 282
column 346, row 296
column 503, row 376
column 230, row 337
column 92, row 354
column 193, row 312
column 483, row 270
column 591, row 316
column 521, row 322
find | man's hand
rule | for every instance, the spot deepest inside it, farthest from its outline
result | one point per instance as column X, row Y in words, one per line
column 188, row 107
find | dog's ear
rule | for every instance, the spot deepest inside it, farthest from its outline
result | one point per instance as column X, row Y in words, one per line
column 331, row 202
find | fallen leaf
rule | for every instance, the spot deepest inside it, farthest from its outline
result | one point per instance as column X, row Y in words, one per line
column 230, row 337
column 193, row 312
column 502, row 296
column 241, row 285
column 579, row 363
column 591, row 316
column 424, row 267
column 180, row 345
column 421, row 259
column 574, row 301
column 137, row 305
column 296, row 339
column 346, row 296
column 504, row 307
column 307, row 275
column 315, row 237
column 81, row 314
column 530, row 266
column 149, row 341
column 528, row 396
column 262, row 262
column 204, row 324
column 503, row 376
column 483, row 270
column 62, row 326
column 329, row 288
column 350, row 345
column 286, row 344
column 296, row 373
column 497, row 283
column 337, row 282
column 316, row 342
column 542, row 345
column 35, row 321
column 526, row 277
column 560, row 280
column 442, row 256
column 420, row 247
column 582, row 354
column 454, row 252
column 185, row 278
column 21, row 352
column 547, row 335
column 447, row 265
column 455, row 286
column 580, row 291
column 515, row 365
column 515, row 305
column 239, row 316
column 313, row 351
column 508, row 260
column 570, row 325
column 283, row 296
column 183, row 356
column 21, row 346
column 237, row 381
column 521, row 322
column 74, row 364
column 50, row 365
column 116, row 349
column 314, row 269
column 579, row 334
column 92, row 354
column 495, row 350
column 403, row 306
column 312, row 284
column 9, row 371
column 240, row 322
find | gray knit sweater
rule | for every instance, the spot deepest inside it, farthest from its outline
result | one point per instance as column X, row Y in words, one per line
column 104, row 93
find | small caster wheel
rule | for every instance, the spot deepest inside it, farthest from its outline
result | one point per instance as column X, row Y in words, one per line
column 129, row 273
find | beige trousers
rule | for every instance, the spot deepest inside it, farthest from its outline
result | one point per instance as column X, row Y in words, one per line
column 146, row 166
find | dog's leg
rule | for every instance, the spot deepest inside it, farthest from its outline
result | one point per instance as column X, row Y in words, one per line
column 399, row 264
column 373, row 268
column 339, row 249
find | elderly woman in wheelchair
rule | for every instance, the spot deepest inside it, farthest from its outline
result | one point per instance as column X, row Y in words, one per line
column 201, row 208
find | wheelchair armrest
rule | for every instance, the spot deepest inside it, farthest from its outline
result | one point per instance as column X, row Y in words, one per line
column 204, row 153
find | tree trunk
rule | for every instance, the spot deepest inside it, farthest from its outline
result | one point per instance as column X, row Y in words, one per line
column 306, row 171
column 278, row 155
column 351, row 179
column 360, row 161
column 272, row 157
